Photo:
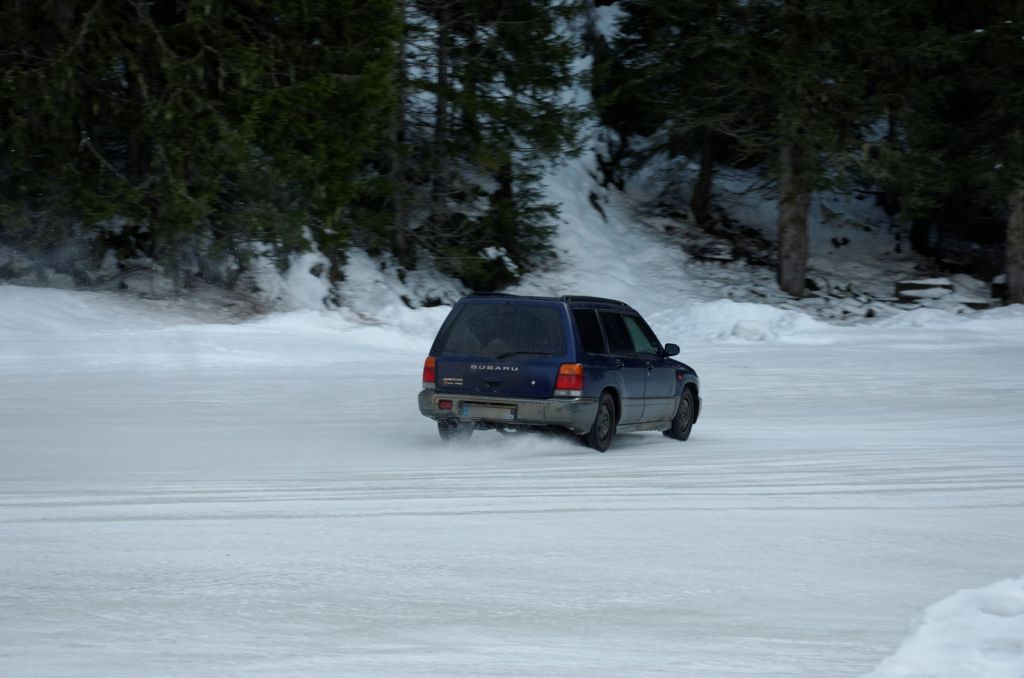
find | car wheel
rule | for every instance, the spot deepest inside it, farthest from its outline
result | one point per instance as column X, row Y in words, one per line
column 452, row 429
column 682, row 423
column 603, row 430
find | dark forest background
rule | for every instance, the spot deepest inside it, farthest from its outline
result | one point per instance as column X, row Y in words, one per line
column 188, row 136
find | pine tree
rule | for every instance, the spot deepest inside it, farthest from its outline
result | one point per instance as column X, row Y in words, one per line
column 808, row 60
column 673, row 77
column 954, row 158
column 481, row 102
column 780, row 84
column 998, row 64
column 188, row 132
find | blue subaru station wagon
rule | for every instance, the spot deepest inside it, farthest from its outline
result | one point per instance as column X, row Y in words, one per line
column 587, row 365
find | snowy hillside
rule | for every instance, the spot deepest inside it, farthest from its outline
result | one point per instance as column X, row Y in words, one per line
column 612, row 243
column 187, row 496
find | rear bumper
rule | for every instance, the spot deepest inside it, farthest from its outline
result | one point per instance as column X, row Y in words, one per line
column 575, row 414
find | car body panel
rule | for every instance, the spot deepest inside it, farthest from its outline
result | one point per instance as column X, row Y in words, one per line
column 661, row 395
column 478, row 375
column 573, row 414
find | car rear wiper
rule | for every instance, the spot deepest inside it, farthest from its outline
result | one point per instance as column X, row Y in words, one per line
column 505, row 355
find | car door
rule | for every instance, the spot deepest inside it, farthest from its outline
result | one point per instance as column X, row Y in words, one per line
column 660, row 373
column 632, row 367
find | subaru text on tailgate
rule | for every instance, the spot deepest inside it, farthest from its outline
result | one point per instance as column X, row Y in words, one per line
column 587, row 365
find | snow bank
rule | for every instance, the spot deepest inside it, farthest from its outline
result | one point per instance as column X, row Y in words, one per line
column 376, row 314
column 1005, row 319
column 73, row 332
column 303, row 285
column 373, row 294
column 47, row 311
column 730, row 321
column 347, row 330
column 977, row 633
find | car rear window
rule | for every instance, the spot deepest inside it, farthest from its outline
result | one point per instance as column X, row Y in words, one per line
column 501, row 328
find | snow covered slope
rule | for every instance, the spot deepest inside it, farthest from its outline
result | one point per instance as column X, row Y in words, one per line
column 615, row 242
column 181, row 497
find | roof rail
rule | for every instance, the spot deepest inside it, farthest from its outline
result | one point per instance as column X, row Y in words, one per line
column 568, row 298
column 598, row 300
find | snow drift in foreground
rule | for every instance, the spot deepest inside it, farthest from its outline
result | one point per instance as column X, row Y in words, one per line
column 976, row 633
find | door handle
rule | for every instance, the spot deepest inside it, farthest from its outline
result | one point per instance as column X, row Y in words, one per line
column 619, row 364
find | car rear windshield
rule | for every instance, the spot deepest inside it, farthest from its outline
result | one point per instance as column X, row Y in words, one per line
column 502, row 329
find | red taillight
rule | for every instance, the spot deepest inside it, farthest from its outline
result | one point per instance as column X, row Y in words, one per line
column 570, row 380
column 429, row 369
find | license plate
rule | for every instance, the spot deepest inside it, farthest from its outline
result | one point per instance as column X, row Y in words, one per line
column 493, row 412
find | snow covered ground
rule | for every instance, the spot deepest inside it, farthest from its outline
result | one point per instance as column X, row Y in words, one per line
column 184, row 494
column 180, row 497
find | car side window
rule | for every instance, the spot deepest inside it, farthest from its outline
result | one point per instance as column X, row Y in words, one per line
column 590, row 330
column 617, row 333
column 644, row 341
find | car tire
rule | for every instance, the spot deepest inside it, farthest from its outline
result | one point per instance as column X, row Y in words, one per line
column 682, row 423
column 603, row 429
column 452, row 429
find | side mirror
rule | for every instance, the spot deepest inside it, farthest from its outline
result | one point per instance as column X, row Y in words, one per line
column 671, row 350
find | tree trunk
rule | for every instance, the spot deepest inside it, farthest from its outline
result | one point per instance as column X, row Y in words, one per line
column 399, row 240
column 502, row 200
column 439, row 184
column 794, row 201
column 700, row 201
column 64, row 15
column 921, row 237
column 1015, row 247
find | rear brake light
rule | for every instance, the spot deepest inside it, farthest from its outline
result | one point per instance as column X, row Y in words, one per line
column 429, row 370
column 570, row 380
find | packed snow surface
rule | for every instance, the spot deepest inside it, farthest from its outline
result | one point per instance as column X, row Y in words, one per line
column 186, row 495
column 180, row 497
